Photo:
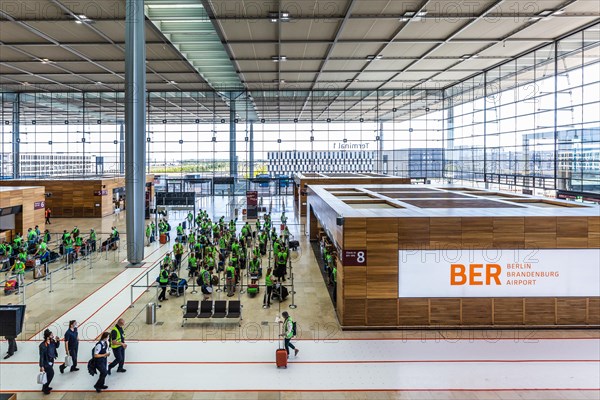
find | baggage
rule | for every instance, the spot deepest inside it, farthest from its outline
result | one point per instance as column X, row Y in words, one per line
column 40, row 271
column 280, row 292
column 281, row 358
column 10, row 286
column 42, row 379
column 54, row 256
column 184, row 225
column 282, row 227
column 30, row 263
column 163, row 238
column 178, row 287
column 252, row 290
column 294, row 245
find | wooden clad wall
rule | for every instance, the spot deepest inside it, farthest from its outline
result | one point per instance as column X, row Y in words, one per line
column 368, row 295
column 25, row 197
column 76, row 198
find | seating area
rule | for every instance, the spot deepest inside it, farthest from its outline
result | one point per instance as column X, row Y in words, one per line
column 209, row 310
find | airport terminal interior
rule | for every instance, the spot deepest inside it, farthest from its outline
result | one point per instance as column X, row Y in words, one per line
column 300, row 199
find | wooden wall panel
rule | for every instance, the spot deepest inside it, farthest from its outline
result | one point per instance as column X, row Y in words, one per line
column 382, row 312
column 445, row 233
column 413, row 233
column 355, row 282
column 413, row 312
column 477, row 311
column 508, row 311
column 593, row 311
column 509, row 232
column 571, row 311
column 382, row 282
column 594, row 232
column 540, row 311
column 444, row 311
column 355, row 312
column 572, row 232
column 355, row 233
column 477, row 232
column 540, row 232
column 382, row 242
column 28, row 218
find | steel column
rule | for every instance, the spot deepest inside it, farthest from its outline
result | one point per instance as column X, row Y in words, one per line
column 251, row 155
column 232, row 138
column 16, row 136
column 135, row 128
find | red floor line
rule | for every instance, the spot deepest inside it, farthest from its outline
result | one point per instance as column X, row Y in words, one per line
column 317, row 391
column 331, row 362
column 89, row 295
column 516, row 340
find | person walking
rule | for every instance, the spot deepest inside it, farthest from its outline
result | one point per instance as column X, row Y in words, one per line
column 148, row 235
column 19, row 267
column 101, row 353
column 269, row 278
column 71, row 346
column 12, row 345
column 48, row 214
column 48, row 355
column 163, row 281
column 178, row 251
column 289, row 331
column 118, row 346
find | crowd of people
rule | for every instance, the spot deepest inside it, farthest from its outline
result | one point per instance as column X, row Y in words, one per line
column 36, row 247
column 218, row 252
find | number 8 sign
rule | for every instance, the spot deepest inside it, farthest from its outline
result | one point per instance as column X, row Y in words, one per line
column 355, row 258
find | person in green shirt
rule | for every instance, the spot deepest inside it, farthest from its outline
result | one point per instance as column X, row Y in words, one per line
column 334, row 282
column 281, row 262
column 205, row 283
column 167, row 260
column 289, row 331
column 19, row 268
column 148, row 234
column 257, row 224
column 46, row 236
column 192, row 264
column 179, row 230
column 163, row 281
column 18, row 241
column 269, row 282
column 283, row 218
column 232, row 225
column 254, row 267
column 92, row 240
column 190, row 218
column 230, row 279
column 31, row 236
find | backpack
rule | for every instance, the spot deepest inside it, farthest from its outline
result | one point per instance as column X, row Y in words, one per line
column 294, row 328
column 91, row 365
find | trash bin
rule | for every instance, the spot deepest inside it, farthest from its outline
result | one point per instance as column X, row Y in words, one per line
column 151, row 313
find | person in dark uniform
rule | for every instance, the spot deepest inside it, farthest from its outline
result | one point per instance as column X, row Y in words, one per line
column 48, row 355
column 71, row 346
column 118, row 346
column 12, row 347
column 101, row 354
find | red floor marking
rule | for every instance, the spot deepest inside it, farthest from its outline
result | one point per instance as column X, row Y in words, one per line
column 317, row 391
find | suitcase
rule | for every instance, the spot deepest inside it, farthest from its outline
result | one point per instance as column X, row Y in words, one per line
column 281, row 358
column 30, row 263
column 40, row 271
column 252, row 290
column 282, row 227
column 163, row 238
column 10, row 286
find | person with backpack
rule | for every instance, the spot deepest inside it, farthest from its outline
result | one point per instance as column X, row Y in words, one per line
column 48, row 355
column 100, row 356
column 289, row 331
column 205, row 282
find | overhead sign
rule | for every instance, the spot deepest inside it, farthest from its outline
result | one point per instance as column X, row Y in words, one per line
column 252, row 203
column 499, row 273
column 354, row 258
column 39, row 205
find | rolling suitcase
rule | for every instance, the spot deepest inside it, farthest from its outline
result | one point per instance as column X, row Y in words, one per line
column 281, row 356
column 163, row 238
column 10, row 286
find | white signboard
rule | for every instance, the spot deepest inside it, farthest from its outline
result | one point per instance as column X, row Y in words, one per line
column 499, row 273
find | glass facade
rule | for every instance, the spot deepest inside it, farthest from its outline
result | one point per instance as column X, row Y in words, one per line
column 531, row 123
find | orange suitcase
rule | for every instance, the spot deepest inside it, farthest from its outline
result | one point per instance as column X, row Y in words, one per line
column 281, row 358
column 163, row 239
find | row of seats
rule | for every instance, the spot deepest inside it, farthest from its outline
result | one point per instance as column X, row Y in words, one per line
column 204, row 309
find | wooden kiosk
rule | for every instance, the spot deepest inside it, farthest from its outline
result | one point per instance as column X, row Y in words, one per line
column 450, row 257
column 301, row 182
column 24, row 206
column 81, row 198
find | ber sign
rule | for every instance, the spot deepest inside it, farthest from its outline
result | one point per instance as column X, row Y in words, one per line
column 499, row 273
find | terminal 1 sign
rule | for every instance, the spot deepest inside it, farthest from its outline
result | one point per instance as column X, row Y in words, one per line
column 499, row 273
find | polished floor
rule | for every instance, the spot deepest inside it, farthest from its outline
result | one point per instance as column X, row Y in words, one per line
column 224, row 360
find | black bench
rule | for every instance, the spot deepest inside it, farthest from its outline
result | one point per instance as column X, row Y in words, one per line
column 222, row 309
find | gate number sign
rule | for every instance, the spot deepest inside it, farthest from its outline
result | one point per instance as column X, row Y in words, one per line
column 355, row 258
